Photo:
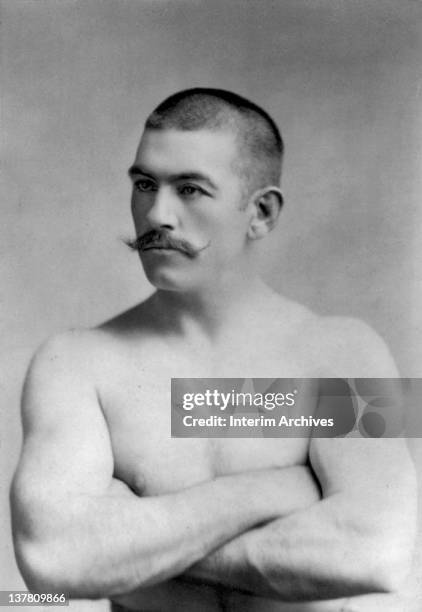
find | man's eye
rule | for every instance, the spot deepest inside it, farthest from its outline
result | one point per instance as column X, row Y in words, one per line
column 189, row 190
column 144, row 185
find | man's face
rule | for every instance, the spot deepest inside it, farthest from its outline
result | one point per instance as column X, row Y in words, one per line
column 187, row 193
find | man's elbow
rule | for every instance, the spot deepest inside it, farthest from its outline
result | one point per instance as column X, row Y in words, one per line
column 387, row 533
column 43, row 557
column 389, row 554
column 36, row 566
column 388, row 566
column 46, row 568
column 60, row 565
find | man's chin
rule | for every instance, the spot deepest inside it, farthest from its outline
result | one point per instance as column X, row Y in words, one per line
column 169, row 280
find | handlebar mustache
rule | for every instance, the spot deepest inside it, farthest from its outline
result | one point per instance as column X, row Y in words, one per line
column 164, row 240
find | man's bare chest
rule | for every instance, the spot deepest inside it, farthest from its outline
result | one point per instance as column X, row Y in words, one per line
column 135, row 398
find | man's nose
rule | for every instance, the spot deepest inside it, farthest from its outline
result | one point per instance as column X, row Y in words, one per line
column 162, row 212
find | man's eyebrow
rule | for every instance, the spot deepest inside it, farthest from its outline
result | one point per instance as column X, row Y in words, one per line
column 193, row 176
column 183, row 176
column 137, row 170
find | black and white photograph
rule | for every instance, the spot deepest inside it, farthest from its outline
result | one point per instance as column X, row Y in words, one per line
column 210, row 308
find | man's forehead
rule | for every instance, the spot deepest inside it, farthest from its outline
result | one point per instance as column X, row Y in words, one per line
column 215, row 148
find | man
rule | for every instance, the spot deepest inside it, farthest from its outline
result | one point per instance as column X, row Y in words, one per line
column 107, row 504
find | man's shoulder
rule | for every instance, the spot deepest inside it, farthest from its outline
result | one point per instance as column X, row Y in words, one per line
column 81, row 350
column 347, row 347
column 72, row 350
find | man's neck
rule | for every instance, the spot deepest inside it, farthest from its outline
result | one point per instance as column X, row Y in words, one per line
column 214, row 311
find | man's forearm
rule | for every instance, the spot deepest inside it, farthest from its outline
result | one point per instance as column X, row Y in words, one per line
column 311, row 555
column 103, row 546
column 250, row 562
column 230, row 566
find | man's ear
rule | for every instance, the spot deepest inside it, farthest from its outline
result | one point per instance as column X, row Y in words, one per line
column 266, row 204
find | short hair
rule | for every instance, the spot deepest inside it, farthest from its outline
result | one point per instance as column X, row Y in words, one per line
column 260, row 143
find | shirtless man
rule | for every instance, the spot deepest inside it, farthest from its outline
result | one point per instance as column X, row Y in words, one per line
column 107, row 504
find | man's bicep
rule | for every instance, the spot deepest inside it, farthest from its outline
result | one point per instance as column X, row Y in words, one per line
column 369, row 487
column 66, row 449
column 348, row 465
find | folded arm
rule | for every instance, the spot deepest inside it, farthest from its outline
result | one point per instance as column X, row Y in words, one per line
column 78, row 530
column 358, row 539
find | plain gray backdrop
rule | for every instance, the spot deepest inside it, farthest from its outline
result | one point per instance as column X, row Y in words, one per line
column 342, row 78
